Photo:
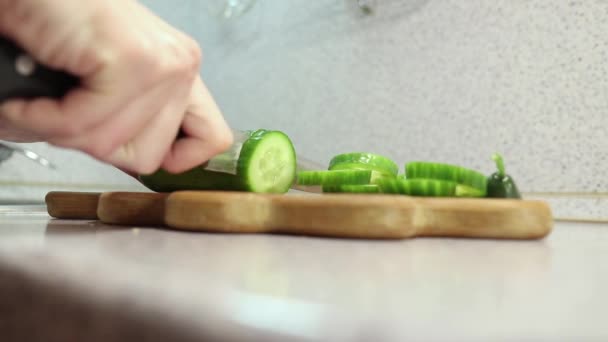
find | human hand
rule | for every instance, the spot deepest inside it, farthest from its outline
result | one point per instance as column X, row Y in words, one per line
column 140, row 84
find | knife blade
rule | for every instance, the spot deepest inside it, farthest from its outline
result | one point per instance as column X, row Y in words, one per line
column 7, row 150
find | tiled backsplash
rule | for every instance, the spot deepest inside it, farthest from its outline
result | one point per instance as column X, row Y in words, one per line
column 449, row 81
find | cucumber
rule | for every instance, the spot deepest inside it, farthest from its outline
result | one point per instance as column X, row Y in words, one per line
column 349, row 188
column 468, row 191
column 338, row 177
column 500, row 184
column 364, row 161
column 418, row 187
column 447, row 172
column 266, row 164
column 427, row 188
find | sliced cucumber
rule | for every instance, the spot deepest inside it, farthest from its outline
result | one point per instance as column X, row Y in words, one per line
column 468, row 191
column 266, row 164
column 338, row 177
column 427, row 188
column 447, row 172
column 364, row 161
column 347, row 188
column 418, row 187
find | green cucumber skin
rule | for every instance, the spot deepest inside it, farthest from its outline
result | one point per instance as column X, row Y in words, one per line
column 418, row 187
column 447, row 172
column 337, row 177
column 376, row 174
column 499, row 187
column 428, row 188
column 193, row 179
column 354, row 189
column 364, row 161
column 500, row 184
column 198, row 178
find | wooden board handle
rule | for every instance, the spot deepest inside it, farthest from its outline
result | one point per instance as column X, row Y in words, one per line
column 72, row 205
column 122, row 208
column 358, row 216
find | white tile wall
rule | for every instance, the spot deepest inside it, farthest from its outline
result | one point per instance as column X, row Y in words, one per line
column 438, row 80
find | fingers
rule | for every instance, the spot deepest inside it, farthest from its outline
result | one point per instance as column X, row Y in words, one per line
column 145, row 152
column 207, row 133
column 102, row 140
column 78, row 112
column 10, row 133
column 116, row 65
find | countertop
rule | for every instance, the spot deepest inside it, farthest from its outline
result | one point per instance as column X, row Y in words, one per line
column 81, row 280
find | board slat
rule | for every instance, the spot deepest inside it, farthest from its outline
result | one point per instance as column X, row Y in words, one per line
column 72, row 205
column 132, row 208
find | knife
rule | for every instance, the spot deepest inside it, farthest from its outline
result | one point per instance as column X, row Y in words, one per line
column 7, row 151
column 23, row 77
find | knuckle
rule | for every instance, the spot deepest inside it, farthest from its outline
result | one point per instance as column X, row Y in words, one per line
column 172, row 58
column 188, row 56
column 127, row 156
column 147, row 166
column 145, row 162
column 221, row 143
column 173, row 168
column 195, row 54
column 140, row 54
column 99, row 149
column 71, row 128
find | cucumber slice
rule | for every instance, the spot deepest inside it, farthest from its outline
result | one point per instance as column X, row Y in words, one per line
column 447, row 172
column 364, row 161
column 348, row 188
column 418, row 187
column 427, row 188
column 266, row 164
column 468, row 191
column 338, row 177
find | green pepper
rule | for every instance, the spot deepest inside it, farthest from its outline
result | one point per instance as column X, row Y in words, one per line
column 500, row 184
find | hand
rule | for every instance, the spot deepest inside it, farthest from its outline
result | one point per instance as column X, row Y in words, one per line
column 140, row 85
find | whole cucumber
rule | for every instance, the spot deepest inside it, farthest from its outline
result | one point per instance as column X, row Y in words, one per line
column 266, row 164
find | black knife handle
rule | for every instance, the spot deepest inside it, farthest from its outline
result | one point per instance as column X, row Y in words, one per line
column 22, row 77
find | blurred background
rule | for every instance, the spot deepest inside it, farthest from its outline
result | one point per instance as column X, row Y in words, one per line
column 449, row 81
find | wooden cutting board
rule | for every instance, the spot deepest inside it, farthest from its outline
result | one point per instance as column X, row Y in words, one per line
column 332, row 215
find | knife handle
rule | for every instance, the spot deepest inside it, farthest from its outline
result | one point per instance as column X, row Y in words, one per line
column 22, row 77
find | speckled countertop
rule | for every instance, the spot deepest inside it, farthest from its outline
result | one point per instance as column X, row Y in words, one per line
column 78, row 280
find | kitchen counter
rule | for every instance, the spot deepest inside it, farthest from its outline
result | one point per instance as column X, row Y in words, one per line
column 81, row 280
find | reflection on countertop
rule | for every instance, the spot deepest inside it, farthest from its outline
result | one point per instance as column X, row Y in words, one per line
column 188, row 286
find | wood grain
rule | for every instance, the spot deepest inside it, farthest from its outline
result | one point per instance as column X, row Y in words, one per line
column 72, row 205
column 357, row 216
column 334, row 215
column 132, row 208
